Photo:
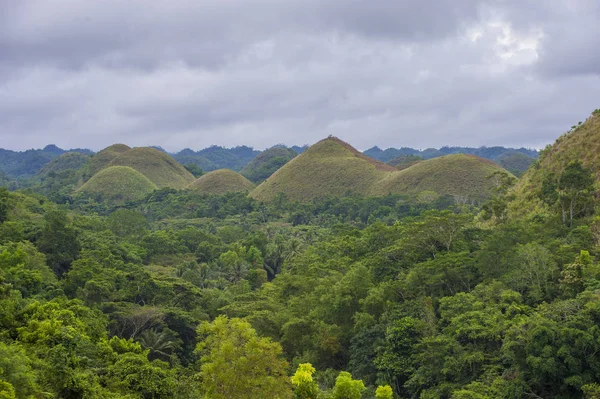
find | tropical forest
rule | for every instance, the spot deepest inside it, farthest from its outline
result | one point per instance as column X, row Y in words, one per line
column 306, row 272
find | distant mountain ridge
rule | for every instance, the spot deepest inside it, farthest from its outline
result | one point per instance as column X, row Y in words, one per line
column 25, row 164
column 491, row 153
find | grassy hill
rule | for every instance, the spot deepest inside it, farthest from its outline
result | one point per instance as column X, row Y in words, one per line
column 118, row 184
column 330, row 167
column 103, row 158
column 220, row 182
column 267, row 163
column 581, row 143
column 405, row 161
column 460, row 175
column 66, row 161
column 157, row 166
column 333, row 168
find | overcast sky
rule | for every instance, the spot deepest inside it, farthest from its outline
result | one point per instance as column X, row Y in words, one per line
column 392, row 73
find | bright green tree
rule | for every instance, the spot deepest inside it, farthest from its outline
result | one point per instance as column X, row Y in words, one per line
column 384, row 392
column 304, row 385
column 347, row 388
column 238, row 364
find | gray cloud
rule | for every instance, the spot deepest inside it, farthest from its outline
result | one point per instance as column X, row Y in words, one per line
column 389, row 73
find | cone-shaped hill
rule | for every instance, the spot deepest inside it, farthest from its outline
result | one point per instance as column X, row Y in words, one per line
column 330, row 167
column 118, row 184
column 460, row 175
column 157, row 166
column 267, row 163
column 104, row 157
column 220, row 182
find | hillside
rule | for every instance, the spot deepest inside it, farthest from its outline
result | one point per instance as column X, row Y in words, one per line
column 331, row 167
column 216, row 157
column 267, row 163
column 220, row 182
column 517, row 162
column 28, row 163
column 495, row 154
column 581, row 143
column 157, row 166
column 459, row 175
column 66, row 161
column 118, row 184
column 105, row 157
column 405, row 161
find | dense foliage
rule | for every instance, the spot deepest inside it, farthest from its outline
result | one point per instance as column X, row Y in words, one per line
column 185, row 295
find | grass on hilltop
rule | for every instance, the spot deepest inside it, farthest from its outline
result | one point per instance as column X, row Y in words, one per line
column 157, row 166
column 331, row 167
column 460, row 175
column 103, row 158
column 220, row 182
column 118, row 184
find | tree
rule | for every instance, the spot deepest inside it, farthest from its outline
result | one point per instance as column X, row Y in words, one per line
column 194, row 169
column 4, row 198
column 238, row 364
column 384, row 392
column 347, row 388
column 58, row 240
column 304, row 385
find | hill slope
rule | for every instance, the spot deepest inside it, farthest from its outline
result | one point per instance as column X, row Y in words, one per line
column 582, row 143
column 66, row 161
column 105, row 157
column 331, row 167
column 157, row 166
column 220, row 182
column 460, row 175
column 267, row 163
column 118, row 184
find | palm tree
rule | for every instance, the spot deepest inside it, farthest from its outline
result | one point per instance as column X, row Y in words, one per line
column 158, row 343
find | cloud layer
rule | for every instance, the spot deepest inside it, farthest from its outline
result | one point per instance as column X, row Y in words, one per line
column 191, row 73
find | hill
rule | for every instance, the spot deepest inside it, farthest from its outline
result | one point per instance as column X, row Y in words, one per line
column 267, row 162
column 216, row 157
column 516, row 163
column 118, row 184
column 492, row 153
column 405, row 161
column 462, row 176
column 537, row 187
column 103, row 158
column 26, row 164
column 157, row 166
column 66, row 161
column 220, row 182
column 330, row 167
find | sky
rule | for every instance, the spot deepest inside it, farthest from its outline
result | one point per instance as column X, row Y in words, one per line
column 392, row 73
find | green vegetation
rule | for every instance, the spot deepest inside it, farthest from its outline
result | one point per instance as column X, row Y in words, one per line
column 66, row 161
column 159, row 293
column 333, row 168
column 267, row 163
column 157, row 166
column 404, row 161
column 516, row 163
column 103, row 158
column 118, row 184
column 328, row 168
column 466, row 177
column 220, row 182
